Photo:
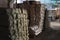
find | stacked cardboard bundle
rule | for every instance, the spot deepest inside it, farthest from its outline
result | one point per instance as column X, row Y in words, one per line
column 19, row 20
column 18, row 24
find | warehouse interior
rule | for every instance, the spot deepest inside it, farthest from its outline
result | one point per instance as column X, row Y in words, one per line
column 29, row 20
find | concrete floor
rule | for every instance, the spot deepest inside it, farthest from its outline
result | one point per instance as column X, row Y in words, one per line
column 48, row 34
column 55, row 25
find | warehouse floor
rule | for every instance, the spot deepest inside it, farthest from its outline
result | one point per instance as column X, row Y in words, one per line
column 48, row 34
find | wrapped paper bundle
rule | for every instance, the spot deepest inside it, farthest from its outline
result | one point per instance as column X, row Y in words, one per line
column 18, row 24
